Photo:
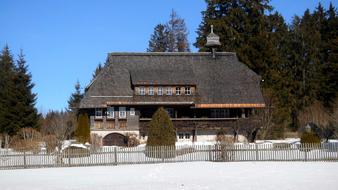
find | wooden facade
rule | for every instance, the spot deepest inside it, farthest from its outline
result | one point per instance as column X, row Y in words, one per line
column 201, row 93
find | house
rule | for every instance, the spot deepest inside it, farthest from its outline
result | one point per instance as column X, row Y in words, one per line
column 203, row 93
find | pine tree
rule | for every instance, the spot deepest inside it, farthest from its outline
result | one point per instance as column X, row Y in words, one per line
column 170, row 37
column 177, row 34
column 329, row 54
column 243, row 28
column 82, row 131
column 161, row 130
column 25, row 105
column 75, row 98
column 97, row 71
column 158, row 40
column 8, row 114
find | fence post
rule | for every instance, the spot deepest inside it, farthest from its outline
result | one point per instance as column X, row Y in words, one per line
column 162, row 153
column 210, row 156
column 305, row 152
column 69, row 164
column 115, row 155
column 24, row 160
column 257, row 155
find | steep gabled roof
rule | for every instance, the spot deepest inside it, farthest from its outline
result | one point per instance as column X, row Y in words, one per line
column 223, row 80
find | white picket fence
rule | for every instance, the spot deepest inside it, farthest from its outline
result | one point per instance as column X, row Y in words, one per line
column 10, row 159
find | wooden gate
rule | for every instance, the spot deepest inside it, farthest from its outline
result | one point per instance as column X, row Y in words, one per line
column 114, row 139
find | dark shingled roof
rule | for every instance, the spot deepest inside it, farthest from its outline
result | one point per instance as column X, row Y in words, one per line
column 174, row 76
column 223, row 80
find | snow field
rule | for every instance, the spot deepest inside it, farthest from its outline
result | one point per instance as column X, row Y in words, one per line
column 187, row 176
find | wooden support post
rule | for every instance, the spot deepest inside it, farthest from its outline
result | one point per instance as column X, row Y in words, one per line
column 24, row 160
column 115, row 155
column 162, row 153
column 210, row 156
column 257, row 155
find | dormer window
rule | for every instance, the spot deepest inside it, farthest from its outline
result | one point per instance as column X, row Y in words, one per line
column 160, row 91
column 151, row 91
column 122, row 112
column 187, row 90
column 98, row 113
column 178, row 91
column 142, row 91
column 169, row 91
column 110, row 112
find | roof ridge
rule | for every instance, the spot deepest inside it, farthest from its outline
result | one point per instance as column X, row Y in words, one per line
column 170, row 53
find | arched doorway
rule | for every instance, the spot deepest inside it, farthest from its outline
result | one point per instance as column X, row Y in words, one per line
column 114, row 139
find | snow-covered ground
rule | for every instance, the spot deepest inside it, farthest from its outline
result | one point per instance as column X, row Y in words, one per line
column 194, row 176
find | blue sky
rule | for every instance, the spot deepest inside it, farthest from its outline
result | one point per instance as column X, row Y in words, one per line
column 64, row 40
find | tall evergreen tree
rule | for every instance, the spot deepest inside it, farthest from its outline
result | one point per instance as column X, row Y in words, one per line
column 8, row 118
column 158, row 40
column 170, row 37
column 243, row 28
column 25, row 98
column 177, row 34
column 75, row 98
column 329, row 54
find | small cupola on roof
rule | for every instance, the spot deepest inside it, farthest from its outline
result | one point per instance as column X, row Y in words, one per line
column 213, row 41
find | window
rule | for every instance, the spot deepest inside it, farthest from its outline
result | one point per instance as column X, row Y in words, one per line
column 169, row 91
column 98, row 113
column 160, row 91
column 122, row 112
column 220, row 113
column 142, row 91
column 180, row 135
column 187, row 90
column 170, row 112
column 187, row 136
column 178, row 91
column 132, row 111
column 151, row 90
column 110, row 112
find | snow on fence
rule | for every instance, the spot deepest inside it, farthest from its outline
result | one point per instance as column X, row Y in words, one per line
column 10, row 159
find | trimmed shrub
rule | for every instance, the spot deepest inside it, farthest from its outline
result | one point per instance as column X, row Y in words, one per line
column 82, row 131
column 161, row 133
column 309, row 137
column 161, row 130
column 309, row 141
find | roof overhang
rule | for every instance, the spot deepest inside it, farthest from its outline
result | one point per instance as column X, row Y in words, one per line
column 229, row 105
column 149, row 103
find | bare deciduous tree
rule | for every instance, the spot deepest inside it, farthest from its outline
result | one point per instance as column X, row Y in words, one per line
column 61, row 126
column 324, row 119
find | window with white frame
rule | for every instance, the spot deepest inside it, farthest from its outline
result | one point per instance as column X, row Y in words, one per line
column 132, row 111
column 169, row 91
column 187, row 136
column 180, row 135
column 187, row 90
column 178, row 91
column 110, row 112
column 160, row 91
column 151, row 90
column 142, row 90
column 122, row 112
column 98, row 113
